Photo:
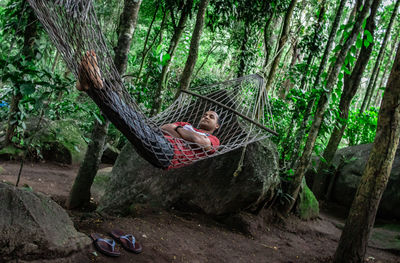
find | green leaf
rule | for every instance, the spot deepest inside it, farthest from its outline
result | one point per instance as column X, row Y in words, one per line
column 369, row 36
column 27, row 88
column 165, row 59
column 337, row 48
column 366, row 43
column 364, row 23
column 359, row 43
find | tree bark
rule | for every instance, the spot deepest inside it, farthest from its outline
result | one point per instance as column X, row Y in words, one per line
column 243, row 51
column 282, row 41
column 178, row 30
column 80, row 191
column 30, row 35
column 302, row 164
column 388, row 66
column 126, row 28
column 354, row 238
column 374, row 74
column 288, row 84
column 194, row 48
column 350, row 87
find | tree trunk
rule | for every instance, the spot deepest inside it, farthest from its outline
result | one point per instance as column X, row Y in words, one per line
column 374, row 74
column 266, row 39
column 288, row 84
column 80, row 192
column 354, row 238
column 178, row 30
column 30, row 35
column 243, row 51
column 127, row 25
column 301, row 166
column 303, row 127
column 281, row 43
column 388, row 66
column 194, row 48
column 351, row 84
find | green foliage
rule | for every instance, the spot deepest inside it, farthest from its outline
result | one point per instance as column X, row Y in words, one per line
column 361, row 128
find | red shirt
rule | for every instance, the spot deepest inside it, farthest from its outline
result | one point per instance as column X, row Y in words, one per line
column 186, row 152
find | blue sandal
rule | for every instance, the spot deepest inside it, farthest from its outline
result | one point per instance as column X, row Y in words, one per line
column 127, row 241
column 105, row 246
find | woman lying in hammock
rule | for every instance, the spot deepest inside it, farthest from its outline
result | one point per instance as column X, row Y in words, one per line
column 174, row 145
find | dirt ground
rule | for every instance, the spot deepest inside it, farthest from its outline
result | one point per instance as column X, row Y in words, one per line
column 171, row 236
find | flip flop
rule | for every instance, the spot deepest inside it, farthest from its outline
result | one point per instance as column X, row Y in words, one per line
column 105, row 246
column 127, row 241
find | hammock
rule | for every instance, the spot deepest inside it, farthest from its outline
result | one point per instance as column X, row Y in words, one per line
column 73, row 27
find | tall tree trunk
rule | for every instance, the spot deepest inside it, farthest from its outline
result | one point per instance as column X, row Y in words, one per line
column 303, row 127
column 194, row 48
column 374, row 74
column 30, row 35
column 243, row 51
column 388, row 66
column 302, row 164
column 127, row 25
column 178, row 30
column 266, row 39
column 282, row 41
column 351, row 84
column 80, row 192
column 288, row 84
column 354, row 239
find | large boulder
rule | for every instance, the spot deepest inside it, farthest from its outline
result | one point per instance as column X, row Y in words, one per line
column 32, row 226
column 351, row 162
column 207, row 186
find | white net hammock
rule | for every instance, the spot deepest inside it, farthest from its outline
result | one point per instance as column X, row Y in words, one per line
column 241, row 104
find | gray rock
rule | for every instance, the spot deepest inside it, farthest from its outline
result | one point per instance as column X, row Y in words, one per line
column 110, row 154
column 33, row 226
column 351, row 162
column 206, row 186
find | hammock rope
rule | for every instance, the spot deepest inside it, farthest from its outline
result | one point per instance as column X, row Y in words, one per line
column 74, row 29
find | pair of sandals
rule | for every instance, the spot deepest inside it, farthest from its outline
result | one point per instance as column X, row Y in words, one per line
column 107, row 246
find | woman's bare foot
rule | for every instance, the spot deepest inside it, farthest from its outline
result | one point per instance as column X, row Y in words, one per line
column 89, row 72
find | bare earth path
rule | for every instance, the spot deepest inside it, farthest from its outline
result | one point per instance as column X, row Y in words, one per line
column 169, row 236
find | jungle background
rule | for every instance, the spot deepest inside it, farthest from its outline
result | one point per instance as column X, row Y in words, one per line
column 326, row 66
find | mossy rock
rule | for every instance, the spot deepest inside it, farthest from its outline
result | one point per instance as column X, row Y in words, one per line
column 386, row 237
column 10, row 153
column 62, row 142
column 307, row 206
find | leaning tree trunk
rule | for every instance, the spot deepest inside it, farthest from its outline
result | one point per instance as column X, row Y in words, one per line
column 303, row 127
column 30, row 35
column 288, row 84
column 351, row 84
column 80, row 192
column 243, row 51
column 302, row 164
column 194, row 48
column 388, row 66
column 282, row 41
column 374, row 74
column 354, row 238
column 178, row 30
